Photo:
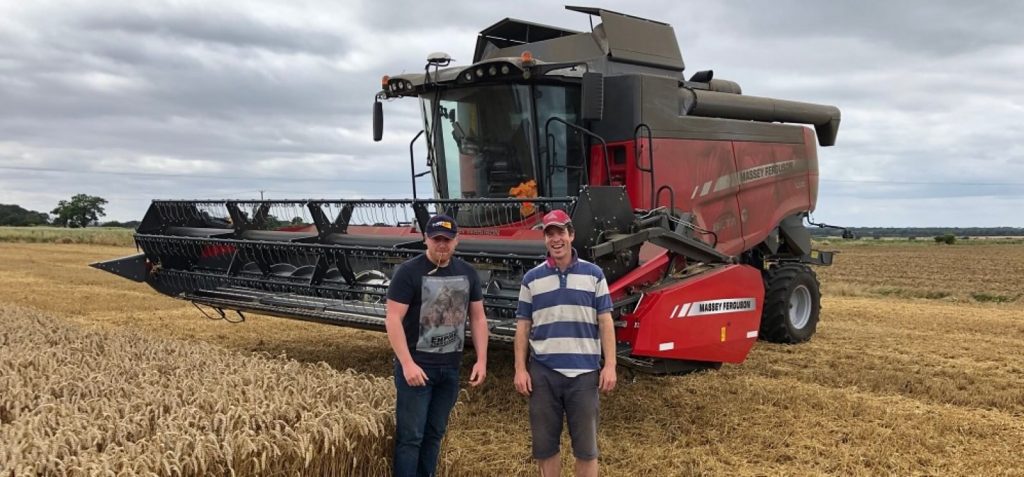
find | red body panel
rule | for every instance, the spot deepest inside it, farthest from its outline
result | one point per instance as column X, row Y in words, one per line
column 739, row 190
column 712, row 317
column 772, row 184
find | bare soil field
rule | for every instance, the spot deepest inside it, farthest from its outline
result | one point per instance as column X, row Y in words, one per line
column 916, row 369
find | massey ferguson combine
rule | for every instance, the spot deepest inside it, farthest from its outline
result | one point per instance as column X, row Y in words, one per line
column 689, row 194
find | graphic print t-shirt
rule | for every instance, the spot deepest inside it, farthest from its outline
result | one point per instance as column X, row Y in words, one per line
column 438, row 299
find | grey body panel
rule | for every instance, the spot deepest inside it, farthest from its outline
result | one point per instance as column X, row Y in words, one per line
column 640, row 61
column 619, row 37
column 636, row 40
column 656, row 102
column 796, row 235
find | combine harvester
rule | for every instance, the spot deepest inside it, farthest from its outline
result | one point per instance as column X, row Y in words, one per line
column 690, row 195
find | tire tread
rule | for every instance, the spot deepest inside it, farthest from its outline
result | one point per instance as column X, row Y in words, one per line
column 779, row 281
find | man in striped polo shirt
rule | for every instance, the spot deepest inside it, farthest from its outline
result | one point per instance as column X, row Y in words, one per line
column 564, row 325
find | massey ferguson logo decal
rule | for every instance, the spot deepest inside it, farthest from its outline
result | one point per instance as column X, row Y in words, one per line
column 713, row 307
column 768, row 170
column 749, row 175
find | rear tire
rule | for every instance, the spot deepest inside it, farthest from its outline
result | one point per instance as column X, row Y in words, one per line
column 792, row 304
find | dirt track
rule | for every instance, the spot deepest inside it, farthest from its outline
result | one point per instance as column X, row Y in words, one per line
column 888, row 386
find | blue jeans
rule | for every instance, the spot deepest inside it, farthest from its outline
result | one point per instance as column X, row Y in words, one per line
column 421, row 417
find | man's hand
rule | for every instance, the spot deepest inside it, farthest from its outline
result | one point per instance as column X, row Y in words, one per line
column 607, row 379
column 479, row 374
column 414, row 375
column 523, row 383
column 606, row 327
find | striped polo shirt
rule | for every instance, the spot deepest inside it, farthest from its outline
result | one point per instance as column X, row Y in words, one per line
column 563, row 307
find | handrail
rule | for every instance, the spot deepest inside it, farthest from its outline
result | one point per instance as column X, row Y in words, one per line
column 412, row 164
column 580, row 129
column 650, row 154
column 548, row 158
column 671, row 198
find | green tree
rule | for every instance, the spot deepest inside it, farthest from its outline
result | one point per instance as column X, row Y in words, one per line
column 272, row 223
column 81, row 211
column 11, row 214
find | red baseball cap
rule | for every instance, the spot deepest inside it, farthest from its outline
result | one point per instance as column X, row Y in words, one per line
column 557, row 218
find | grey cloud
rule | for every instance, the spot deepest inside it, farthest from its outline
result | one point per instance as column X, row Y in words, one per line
column 263, row 96
column 935, row 28
column 207, row 25
column 397, row 15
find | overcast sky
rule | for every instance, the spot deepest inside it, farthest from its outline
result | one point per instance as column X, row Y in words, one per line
column 195, row 99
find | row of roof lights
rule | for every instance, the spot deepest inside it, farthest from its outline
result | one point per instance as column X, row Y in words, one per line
column 395, row 86
column 469, row 75
column 490, row 71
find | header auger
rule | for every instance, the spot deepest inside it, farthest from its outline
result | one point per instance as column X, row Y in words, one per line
column 690, row 195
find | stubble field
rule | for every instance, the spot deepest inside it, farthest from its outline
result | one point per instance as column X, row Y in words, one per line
column 916, row 369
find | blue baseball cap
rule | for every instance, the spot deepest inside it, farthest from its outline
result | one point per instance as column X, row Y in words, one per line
column 442, row 225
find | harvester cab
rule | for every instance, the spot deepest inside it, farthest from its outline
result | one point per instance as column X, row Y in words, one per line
column 690, row 195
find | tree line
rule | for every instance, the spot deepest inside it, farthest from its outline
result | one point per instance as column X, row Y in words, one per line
column 920, row 232
column 81, row 210
column 11, row 214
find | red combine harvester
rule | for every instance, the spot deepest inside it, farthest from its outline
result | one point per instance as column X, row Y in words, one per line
column 690, row 195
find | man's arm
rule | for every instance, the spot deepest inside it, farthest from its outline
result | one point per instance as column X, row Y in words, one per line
column 478, row 324
column 607, row 329
column 522, row 352
column 521, row 344
column 414, row 375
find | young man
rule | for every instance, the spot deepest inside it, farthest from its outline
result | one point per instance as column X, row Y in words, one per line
column 565, row 324
column 429, row 298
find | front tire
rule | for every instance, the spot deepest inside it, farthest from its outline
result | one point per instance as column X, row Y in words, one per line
column 792, row 304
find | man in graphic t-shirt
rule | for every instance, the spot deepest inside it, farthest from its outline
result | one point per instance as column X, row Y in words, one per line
column 429, row 300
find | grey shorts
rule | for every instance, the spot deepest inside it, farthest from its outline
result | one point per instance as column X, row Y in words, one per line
column 554, row 396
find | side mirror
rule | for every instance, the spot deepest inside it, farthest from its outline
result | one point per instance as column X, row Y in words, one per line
column 592, row 107
column 378, row 121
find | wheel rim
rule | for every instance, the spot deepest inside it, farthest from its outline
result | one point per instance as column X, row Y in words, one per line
column 800, row 307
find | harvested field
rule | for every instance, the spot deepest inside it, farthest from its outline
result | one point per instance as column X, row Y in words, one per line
column 974, row 272
column 925, row 381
